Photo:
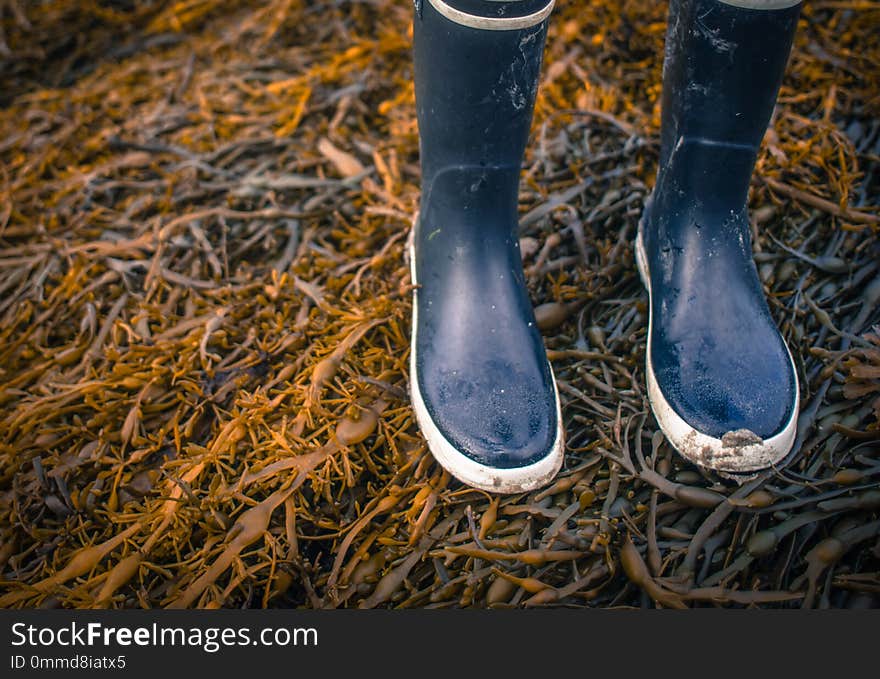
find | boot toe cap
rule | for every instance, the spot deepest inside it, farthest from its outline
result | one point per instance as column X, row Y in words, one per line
column 738, row 419
column 759, row 397
column 493, row 426
column 495, row 414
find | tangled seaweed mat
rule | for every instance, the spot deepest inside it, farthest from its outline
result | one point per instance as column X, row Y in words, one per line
column 205, row 314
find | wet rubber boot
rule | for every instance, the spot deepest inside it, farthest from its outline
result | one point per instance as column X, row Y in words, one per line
column 721, row 380
column 482, row 388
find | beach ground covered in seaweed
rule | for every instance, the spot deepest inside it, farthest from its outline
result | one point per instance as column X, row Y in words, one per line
column 204, row 321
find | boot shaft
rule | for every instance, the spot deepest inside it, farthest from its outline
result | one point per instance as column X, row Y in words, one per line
column 477, row 66
column 722, row 71
column 723, row 68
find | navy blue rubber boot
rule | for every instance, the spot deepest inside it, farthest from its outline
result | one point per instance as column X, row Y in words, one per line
column 482, row 388
column 721, row 380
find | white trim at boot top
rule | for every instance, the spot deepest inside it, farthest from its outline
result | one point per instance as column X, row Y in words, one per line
column 492, row 23
column 762, row 4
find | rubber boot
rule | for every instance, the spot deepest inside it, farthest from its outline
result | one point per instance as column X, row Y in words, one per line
column 482, row 388
column 721, row 381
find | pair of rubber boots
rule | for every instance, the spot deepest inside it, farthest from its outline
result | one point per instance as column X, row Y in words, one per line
column 721, row 381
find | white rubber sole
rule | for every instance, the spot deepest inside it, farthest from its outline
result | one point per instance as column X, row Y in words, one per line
column 466, row 470
column 736, row 452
